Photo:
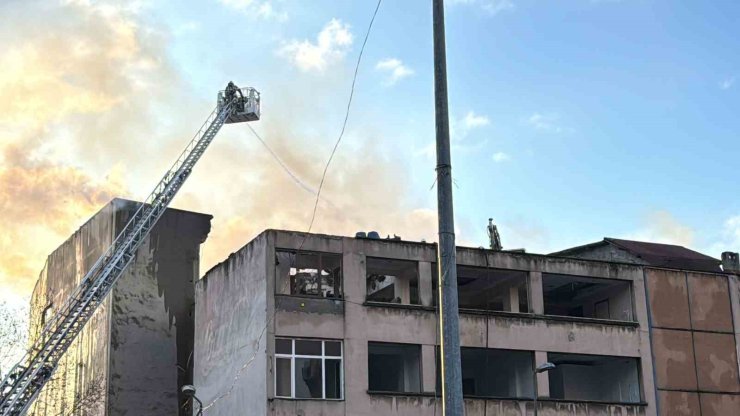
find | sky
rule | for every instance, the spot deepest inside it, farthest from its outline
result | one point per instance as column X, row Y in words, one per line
column 571, row 120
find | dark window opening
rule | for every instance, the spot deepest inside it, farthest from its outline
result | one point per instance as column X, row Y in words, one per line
column 394, row 367
column 490, row 289
column 594, row 377
column 309, row 274
column 587, row 297
column 390, row 280
column 47, row 315
column 494, row 373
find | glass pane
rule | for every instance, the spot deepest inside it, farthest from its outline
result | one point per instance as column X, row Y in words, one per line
column 333, row 379
column 282, row 377
column 304, row 347
column 308, row 378
column 333, row 348
column 283, row 346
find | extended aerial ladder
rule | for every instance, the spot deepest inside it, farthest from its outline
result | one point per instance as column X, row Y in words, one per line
column 25, row 380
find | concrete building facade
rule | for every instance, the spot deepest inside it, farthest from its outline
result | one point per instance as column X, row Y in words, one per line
column 306, row 324
column 136, row 350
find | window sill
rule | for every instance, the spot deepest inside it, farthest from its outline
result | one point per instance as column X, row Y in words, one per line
column 287, row 295
column 598, row 402
column 515, row 399
column 399, row 393
column 504, row 314
column 306, row 399
column 589, row 320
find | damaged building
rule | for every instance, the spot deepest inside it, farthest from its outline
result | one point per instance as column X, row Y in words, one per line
column 308, row 324
column 136, row 351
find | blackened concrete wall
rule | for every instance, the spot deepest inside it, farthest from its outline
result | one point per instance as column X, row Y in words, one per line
column 135, row 352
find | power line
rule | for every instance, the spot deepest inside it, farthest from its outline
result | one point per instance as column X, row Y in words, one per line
column 313, row 215
column 346, row 116
column 280, row 162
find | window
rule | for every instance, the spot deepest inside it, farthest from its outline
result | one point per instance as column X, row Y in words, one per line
column 308, row 369
column 494, row 373
column 47, row 315
column 587, row 297
column 390, row 280
column 485, row 288
column 310, row 274
column 594, row 377
column 394, row 367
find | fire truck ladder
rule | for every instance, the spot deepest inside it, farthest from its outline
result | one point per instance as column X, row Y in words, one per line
column 26, row 379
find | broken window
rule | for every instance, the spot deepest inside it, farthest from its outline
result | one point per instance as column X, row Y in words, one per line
column 489, row 289
column 390, row 280
column 494, row 373
column 587, row 297
column 309, row 274
column 394, row 367
column 595, row 378
column 308, row 369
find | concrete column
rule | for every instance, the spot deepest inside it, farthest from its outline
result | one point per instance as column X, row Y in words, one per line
column 353, row 273
column 402, row 290
column 425, row 283
column 543, row 382
column 535, row 291
column 513, row 299
column 428, row 369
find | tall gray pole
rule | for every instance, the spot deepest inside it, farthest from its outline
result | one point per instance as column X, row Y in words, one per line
column 452, row 401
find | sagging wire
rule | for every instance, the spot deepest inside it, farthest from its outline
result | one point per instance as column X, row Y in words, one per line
column 313, row 215
column 280, row 162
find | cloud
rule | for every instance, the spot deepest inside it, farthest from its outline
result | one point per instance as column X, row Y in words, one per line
column 92, row 108
column 492, row 7
column 727, row 83
column 501, row 157
column 395, row 69
column 546, row 122
column 472, row 120
column 332, row 43
column 662, row 227
column 255, row 8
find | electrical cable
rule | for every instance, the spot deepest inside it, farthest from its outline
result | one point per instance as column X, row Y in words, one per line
column 313, row 215
column 346, row 116
column 282, row 164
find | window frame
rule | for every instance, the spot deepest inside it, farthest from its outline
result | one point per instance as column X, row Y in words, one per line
column 320, row 255
column 402, row 345
column 323, row 357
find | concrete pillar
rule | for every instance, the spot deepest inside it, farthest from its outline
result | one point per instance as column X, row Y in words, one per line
column 402, row 290
column 535, row 290
column 428, row 368
column 353, row 273
column 543, row 382
column 513, row 299
column 425, row 283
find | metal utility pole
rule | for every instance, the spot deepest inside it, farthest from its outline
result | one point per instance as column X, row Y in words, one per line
column 452, row 400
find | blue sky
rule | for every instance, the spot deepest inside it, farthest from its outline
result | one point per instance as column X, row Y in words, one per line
column 571, row 120
column 594, row 117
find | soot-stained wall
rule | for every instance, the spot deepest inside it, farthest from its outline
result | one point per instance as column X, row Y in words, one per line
column 136, row 351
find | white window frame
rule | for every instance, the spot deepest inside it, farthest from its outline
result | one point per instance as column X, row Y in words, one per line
column 323, row 357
